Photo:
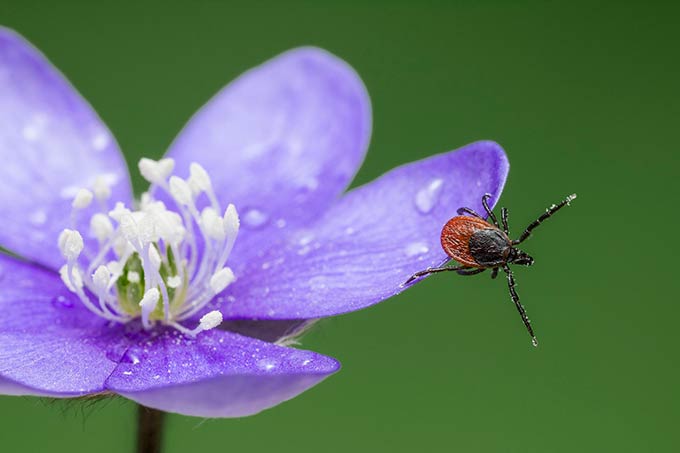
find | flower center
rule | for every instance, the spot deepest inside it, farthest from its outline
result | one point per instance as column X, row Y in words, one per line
column 148, row 263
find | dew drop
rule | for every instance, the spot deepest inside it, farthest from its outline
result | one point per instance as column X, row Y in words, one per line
column 416, row 248
column 427, row 197
column 266, row 364
column 127, row 373
column 254, row 218
column 130, row 357
column 62, row 302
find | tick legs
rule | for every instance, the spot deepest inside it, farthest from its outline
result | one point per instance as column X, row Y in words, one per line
column 470, row 271
column 485, row 203
column 520, row 308
column 462, row 211
column 548, row 213
column 489, row 212
column 504, row 219
column 494, row 272
column 434, row 270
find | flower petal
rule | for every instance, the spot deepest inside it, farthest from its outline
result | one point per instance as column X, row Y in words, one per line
column 367, row 245
column 51, row 144
column 281, row 142
column 49, row 343
column 217, row 374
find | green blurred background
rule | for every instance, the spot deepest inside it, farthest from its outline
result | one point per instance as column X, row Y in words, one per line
column 584, row 98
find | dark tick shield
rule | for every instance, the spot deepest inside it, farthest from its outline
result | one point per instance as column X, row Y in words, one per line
column 479, row 245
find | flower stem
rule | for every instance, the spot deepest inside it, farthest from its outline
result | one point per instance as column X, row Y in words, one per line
column 149, row 430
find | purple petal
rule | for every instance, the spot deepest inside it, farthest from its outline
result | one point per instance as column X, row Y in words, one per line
column 51, row 144
column 367, row 245
column 281, row 142
column 49, row 343
column 217, row 374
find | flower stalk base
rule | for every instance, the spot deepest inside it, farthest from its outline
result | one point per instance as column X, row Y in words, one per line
column 150, row 424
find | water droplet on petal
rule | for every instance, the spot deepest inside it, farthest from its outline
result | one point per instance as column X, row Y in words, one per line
column 62, row 302
column 416, row 248
column 266, row 364
column 427, row 197
column 254, row 218
column 130, row 357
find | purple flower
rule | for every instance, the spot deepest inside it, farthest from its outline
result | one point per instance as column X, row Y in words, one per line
column 113, row 296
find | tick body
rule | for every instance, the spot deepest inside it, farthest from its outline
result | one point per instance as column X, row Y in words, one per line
column 479, row 245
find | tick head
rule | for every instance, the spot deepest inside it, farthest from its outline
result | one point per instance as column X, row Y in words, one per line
column 519, row 257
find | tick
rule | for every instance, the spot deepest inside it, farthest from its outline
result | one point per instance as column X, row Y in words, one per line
column 479, row 245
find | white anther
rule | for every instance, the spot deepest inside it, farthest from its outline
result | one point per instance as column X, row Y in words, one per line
column 128, row 226
column 175, row 281
column 70, row 244
column 149, row 302
column 146, row 226
column 210, row 321
column 116, row 270
column 156, row 172
column 133, row 277
column 213, row 224
column 180, row 191
column 118, row 211
column 154, row 257
column 101, row 227
column 231, row 221
column 122, row 247
column 77, row 278
column 199, row 180
column 169, row 227
column 221, row 279
column 101, row 278
column 101, row 188
column 82, row 199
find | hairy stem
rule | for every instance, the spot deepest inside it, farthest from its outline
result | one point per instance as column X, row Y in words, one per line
column 149, row 430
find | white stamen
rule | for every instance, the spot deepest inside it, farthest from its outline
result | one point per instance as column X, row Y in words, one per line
column 128, row 226
column 175, row 281
column 101, row 278
column 210, row 320
column 101, row 188
column 77, row 278
column 231, row 221
column 156, row 172
column 180, row 191
column 162, row 241
column 154, row 257
column 148, row 304
column 221, row 279
column 70, row 244
column 213, row 224
column 101, row 227
column 118, row 211
column 199, row 180
column 82, row 199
